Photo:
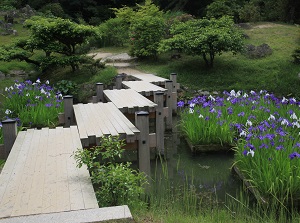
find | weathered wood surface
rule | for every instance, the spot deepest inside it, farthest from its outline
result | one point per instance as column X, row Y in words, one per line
column 102, row 119
column 143, row 87
column 129, row 101
column 40, row 175
column 149, row 78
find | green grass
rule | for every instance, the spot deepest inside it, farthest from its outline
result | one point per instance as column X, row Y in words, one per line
column 275, row 73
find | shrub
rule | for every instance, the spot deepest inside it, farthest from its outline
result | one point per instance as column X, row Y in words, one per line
column 146, row 34
column 115, row 183
column 114, row 32
column 296, row 56
column 219, row 8
column 249, row 13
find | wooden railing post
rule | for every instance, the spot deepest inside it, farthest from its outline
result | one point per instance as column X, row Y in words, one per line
column 99, row 92
column 159, row 100
column 9, row 128
column 142, row 123
column 173, row 77
column 68, row 110
column 119, row 81
column 169, row 99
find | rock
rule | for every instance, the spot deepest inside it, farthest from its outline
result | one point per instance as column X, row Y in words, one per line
column 13, row 73
column 260, row 51
column 2, row 75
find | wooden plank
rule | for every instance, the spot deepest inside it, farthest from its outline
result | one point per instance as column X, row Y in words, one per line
column 150, row 78
column 50, row 191
column 35, row 202
column 120, row 119
column 105, row 117
column 143, row 87
column 62, row 187
column 112, row 96
column 75, row 190
column 98, row 124
column 109, row 111
column 87, row 189
column 21, row 206
column 80, row 122
column 11, row 174
column 88, row 120
column 100, row 118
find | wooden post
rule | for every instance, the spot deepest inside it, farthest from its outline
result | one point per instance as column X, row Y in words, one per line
column 99, row 92
column 142, row 123
column 61, row 118
column 169, row 87
column 69, row 112
column 9, row 128
column 119, row 81
column 173, row 77
column 159, row 100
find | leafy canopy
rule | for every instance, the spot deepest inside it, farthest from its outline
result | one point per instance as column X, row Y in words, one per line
column 205, row 37
column 56, row 37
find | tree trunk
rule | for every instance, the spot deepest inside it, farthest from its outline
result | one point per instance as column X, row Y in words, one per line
column 209, row 63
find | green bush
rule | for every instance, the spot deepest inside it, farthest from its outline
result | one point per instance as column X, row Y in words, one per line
column 114, row 32
column 296, row 56
column 67, row 87
column 115, row 183
column 219, row 8
column 250, row 13
column 146, row 34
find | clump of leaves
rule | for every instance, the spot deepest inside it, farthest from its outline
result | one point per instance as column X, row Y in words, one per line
column 114, row 183
column 296, row 56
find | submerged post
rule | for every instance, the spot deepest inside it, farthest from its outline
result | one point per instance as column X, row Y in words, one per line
column 69, row 112
column 9, row 128
column 159, row 100
column 119, row 81
column 142, row 123
column 99, row 92
column 173, row 77
column 169, row 100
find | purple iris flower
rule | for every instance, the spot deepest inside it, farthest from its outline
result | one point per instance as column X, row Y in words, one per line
column 294, row 155
column 280, row 147
column 180, row 104
column 241, row 114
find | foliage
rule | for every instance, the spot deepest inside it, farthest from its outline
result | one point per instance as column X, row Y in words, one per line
column 115, row 183
column 219, row 8
column 114, row 32
column 205, row 37
column 266, row 133
column 53, row 9
column 66, row 87
column 57, row 37
column 146, row 27
column 296, row 56
column 146, row 33
column 105, row 76
column 250, row 12
column 32, row 104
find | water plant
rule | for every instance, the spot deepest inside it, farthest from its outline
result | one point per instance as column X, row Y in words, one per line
column 33, row 104
column 265, row 131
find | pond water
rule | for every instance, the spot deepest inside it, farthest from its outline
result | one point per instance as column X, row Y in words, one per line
column 206, row 172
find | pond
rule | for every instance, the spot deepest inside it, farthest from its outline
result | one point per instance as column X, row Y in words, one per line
column 206, row 172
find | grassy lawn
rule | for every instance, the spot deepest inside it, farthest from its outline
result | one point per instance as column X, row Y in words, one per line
column 275, row 73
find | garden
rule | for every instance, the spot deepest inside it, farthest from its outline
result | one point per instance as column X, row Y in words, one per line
column 258, row 121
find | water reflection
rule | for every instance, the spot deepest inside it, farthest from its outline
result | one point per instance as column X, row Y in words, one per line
column 205, row 172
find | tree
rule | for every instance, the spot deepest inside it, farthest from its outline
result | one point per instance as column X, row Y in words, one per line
column 57, row 37
column 205, row 37
column 146, row 27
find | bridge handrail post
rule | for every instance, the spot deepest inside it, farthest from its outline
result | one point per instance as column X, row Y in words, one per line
column 68, row 110
column 142, row 123
column 9, row 127
column 169, row 103
column 159, row 118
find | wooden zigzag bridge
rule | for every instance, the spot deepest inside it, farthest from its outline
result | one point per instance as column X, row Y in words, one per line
column 40, row 181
